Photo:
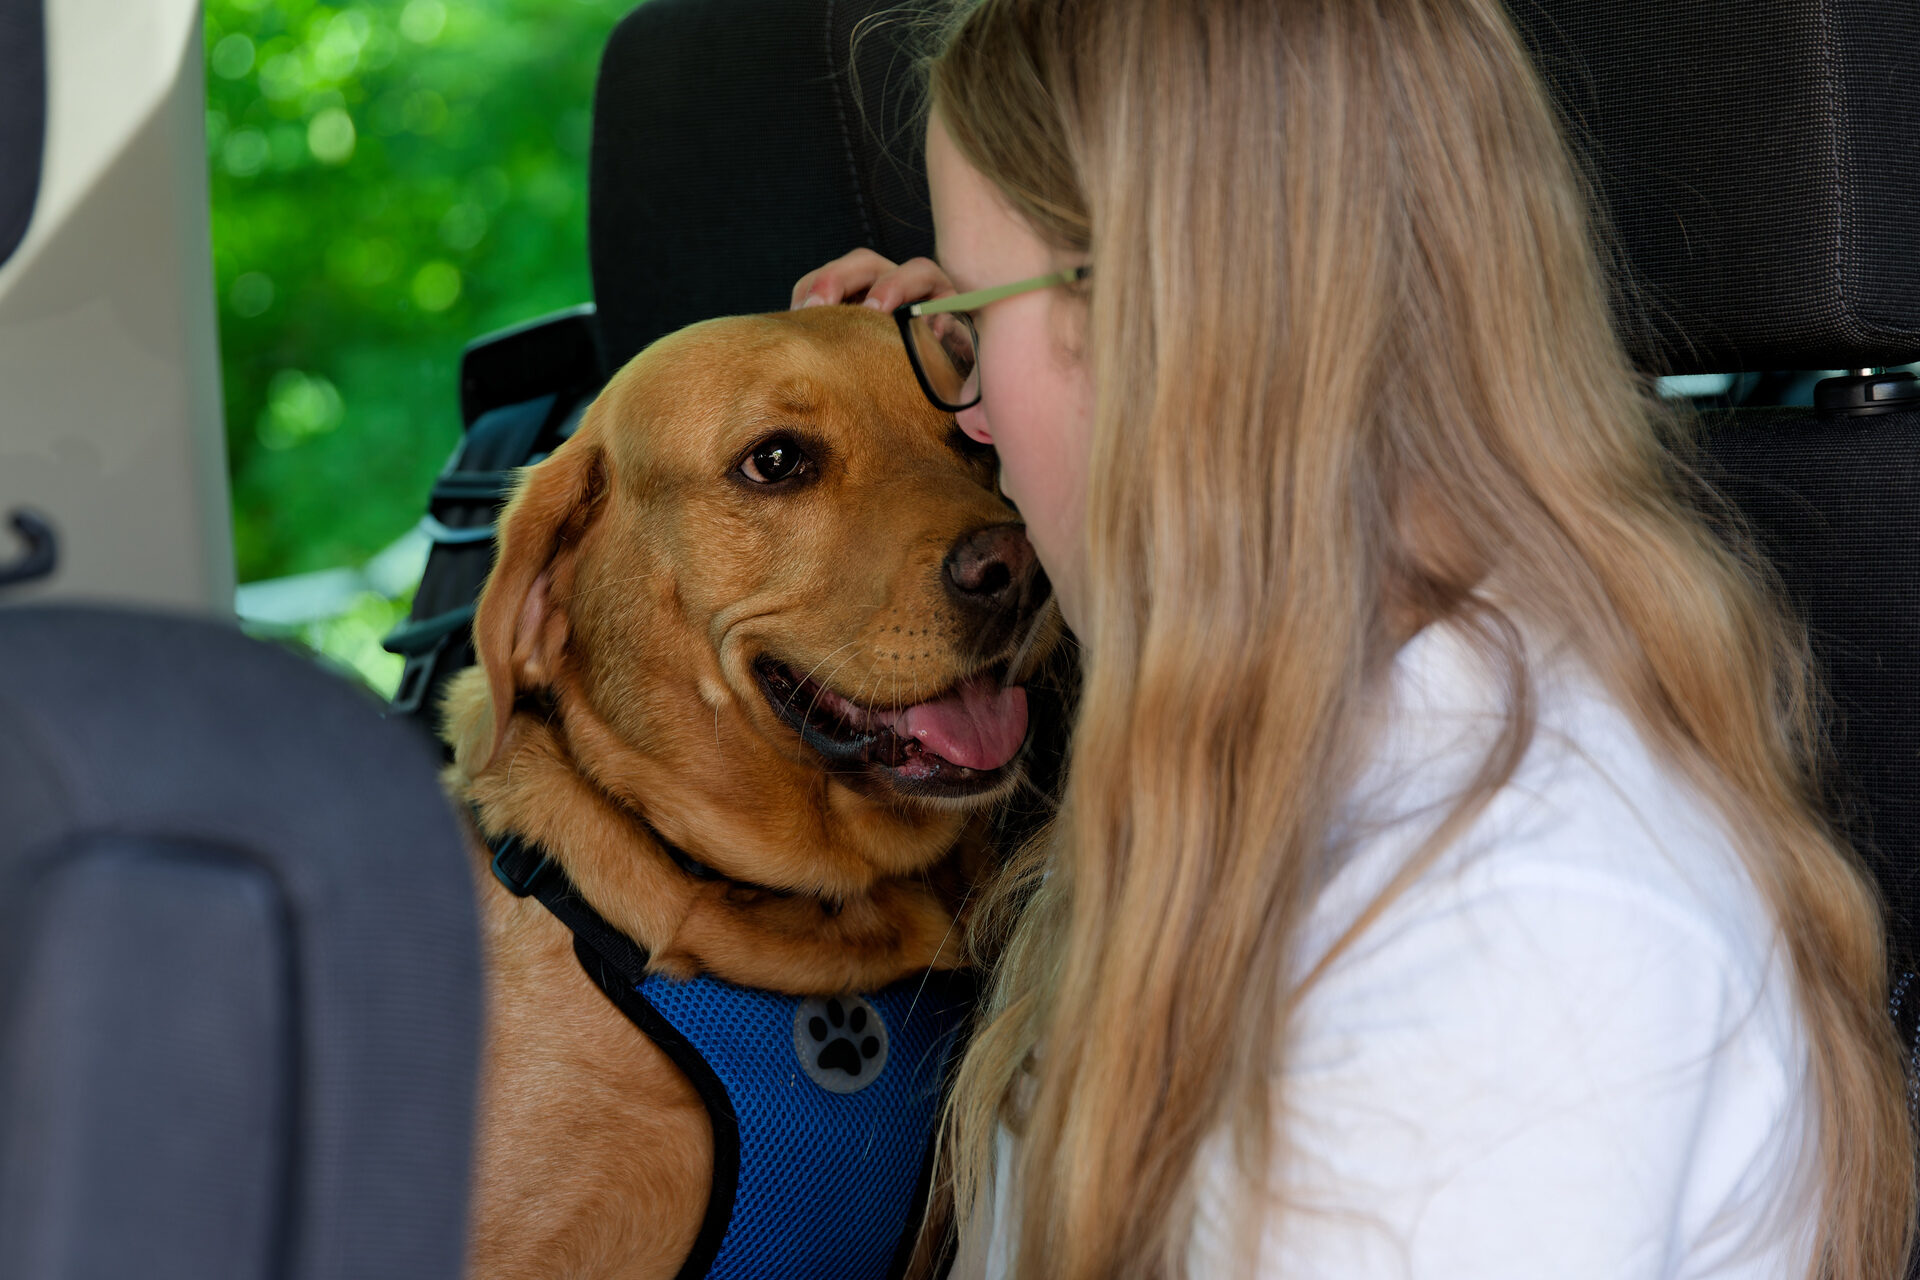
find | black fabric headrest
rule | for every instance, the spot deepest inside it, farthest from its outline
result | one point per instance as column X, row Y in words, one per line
column 1759, row 165
column 736, row 149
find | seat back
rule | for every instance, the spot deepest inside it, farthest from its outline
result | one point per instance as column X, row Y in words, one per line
column 811, row 104
column 1756, row 168
column 1761, row 188
column 239, row 970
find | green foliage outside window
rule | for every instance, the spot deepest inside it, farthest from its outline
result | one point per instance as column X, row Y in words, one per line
column 390, row 179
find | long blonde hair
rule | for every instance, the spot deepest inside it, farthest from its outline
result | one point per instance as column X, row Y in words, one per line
column 1352, row 353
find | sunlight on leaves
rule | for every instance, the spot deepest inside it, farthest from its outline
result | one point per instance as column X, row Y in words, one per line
column 299, row 407
column 330, row 136
column 232, row 57
column 251, row 294
column 422, row 21
column 436, row 286
column 390, row 179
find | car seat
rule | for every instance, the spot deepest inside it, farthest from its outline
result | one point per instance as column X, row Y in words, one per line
column 1758, row 171
column 239, row 966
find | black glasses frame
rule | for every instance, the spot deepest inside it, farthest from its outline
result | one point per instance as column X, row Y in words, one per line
column 903, row 316
column 961, row 306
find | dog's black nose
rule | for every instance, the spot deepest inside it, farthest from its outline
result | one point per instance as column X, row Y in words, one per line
column 986, row 567
column 992, row 575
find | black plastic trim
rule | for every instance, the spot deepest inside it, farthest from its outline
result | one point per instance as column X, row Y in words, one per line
column 1867, row 395
column 470, row 486
column 558, row 353
column 410, row 638
column 23, row 117
column 42, row 550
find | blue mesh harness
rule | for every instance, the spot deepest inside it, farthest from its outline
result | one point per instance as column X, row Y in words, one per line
column 822, row 1109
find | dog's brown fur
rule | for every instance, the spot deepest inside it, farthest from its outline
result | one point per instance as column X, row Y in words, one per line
column 639, row 577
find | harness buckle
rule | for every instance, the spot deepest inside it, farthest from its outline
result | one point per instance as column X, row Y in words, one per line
column 518, row 867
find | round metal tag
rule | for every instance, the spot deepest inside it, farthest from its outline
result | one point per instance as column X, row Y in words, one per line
column 841, row 1042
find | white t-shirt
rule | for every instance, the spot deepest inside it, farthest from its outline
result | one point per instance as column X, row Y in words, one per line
column 1569, row 1049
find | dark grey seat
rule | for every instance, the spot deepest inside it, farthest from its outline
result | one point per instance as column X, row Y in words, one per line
column 239, row 982
column 1759, row 171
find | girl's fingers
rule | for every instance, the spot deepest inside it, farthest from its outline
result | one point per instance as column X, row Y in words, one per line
column 846, row 279
column 864, row 276
column 912, row 281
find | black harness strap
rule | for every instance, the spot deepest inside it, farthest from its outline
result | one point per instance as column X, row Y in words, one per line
column 701, row 871
column 527, row 871
column 618, row 965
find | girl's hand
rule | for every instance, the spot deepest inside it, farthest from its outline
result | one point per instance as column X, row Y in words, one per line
column 865, row 277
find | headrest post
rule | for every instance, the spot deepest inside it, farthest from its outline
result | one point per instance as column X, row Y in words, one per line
column 1865, row 393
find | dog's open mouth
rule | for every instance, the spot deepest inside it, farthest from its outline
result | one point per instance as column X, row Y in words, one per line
column 960, row 743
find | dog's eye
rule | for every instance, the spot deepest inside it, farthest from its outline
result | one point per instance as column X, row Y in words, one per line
column 774, row 459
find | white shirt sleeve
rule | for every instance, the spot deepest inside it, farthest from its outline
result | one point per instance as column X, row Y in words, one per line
column 1552, row 1075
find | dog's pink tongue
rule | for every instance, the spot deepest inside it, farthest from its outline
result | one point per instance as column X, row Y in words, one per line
column 978, row 726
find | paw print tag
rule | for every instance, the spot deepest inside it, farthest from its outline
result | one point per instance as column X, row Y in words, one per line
column 841, row 1042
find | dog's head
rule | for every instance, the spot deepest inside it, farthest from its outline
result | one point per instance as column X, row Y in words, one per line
column 768, row 596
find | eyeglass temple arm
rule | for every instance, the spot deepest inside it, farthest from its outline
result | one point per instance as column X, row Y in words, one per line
column 981, row 297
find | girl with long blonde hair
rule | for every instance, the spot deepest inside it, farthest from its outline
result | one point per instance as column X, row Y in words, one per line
column 1438, row 888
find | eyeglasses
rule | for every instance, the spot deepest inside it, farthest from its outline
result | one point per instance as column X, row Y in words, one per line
column 943, row 346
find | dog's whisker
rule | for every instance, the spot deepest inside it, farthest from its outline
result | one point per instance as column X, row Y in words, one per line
column 859, row 697
column 821, row 687
column 578, row 592
column 870, row 682
column 1016, row 667
column 823, row 662
column 926, row 976
column 912, row 1004
column 788, row 705
column 513, row 761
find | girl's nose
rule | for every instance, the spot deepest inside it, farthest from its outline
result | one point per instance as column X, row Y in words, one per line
column 973, row 421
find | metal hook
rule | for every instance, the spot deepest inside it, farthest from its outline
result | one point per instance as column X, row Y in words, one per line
column 41, row 551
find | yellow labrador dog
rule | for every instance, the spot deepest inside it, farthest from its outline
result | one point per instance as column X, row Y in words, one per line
column 749, row 672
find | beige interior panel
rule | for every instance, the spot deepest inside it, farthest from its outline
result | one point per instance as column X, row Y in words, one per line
column 110, row 413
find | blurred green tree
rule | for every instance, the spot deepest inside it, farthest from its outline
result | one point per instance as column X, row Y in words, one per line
column 390, row 178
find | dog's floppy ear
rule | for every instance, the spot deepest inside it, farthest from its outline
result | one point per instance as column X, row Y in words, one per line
column 518, row 629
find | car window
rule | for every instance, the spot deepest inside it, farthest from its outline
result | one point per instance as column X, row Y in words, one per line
column 390, row 178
